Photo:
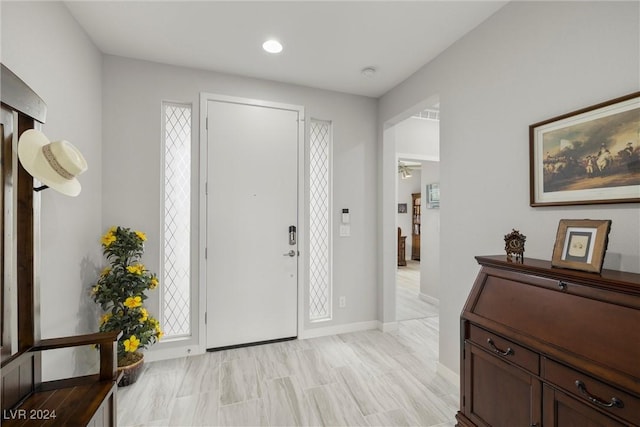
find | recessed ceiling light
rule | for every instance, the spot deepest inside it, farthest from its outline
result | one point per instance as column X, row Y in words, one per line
column 272, row 46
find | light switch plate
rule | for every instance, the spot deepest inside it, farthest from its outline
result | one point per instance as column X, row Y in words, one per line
column 345, row 230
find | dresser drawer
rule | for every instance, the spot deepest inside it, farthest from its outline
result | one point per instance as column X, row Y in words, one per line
column 504, row 348
column 586, row 388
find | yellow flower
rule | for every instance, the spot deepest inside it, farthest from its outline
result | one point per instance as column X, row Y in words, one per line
column 105, row 271
column 95, row 289
column 144, row 315
column 141, row 235
column 108, row 239
column 159, row 333
column 105, row 318
column 133, row 302
column 136, row 269
column 153, row 283
column 131, row 344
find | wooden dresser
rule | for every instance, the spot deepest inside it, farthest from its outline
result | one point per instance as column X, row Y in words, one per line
column 544, row 346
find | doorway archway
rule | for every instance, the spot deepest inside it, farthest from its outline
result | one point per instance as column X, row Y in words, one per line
column 390, row 155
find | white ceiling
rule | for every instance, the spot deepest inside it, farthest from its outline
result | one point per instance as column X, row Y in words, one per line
column 326, row 43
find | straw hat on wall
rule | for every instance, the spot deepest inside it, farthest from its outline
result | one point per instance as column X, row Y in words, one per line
column 56, row 164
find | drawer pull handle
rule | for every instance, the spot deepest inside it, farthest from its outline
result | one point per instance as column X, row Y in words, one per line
column 495, row 349
column 614, row 400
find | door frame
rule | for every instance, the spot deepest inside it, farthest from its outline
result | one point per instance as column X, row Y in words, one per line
column 205, row 97
column 387, row 252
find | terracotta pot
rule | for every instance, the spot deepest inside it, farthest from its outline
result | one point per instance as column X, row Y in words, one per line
column 130, row 373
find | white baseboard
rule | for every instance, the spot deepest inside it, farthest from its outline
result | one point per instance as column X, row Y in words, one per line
column 447, row 373
column 429, row 299
column 338, row 329
column 388, row 327
column 155, row 354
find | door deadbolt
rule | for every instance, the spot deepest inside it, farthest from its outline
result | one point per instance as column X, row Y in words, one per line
column 292, row 235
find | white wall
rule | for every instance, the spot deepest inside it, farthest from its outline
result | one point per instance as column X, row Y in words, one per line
column 46, row 48
column 528, row 62
column 418, row 137
column 430, row 238
column 133, row 92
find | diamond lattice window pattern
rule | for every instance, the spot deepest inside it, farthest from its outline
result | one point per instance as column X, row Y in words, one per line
column 319, row 220
column 176, row 313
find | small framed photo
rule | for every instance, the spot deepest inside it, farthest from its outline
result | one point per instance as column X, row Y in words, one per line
column 402, row 208
column 581, row 244
column 433, row 196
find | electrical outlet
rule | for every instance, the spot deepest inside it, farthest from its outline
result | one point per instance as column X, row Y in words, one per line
column 342, row 302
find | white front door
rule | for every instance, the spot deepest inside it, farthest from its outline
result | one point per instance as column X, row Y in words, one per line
column 252, row 202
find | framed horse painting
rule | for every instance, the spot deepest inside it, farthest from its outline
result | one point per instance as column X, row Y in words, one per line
column 589, row 156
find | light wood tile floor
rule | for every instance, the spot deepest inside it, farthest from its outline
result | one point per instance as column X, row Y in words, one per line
column 367, row 378
column 408, row 303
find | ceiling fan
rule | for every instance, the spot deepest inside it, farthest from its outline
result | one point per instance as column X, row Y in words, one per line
column 404, row 169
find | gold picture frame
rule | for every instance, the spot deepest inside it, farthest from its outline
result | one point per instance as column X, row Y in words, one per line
column 581, row 244
column 589, row 156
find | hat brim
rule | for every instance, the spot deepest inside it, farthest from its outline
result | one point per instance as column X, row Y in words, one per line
column 33, row 161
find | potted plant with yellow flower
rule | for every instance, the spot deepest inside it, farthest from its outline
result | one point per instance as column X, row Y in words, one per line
column 120, row 291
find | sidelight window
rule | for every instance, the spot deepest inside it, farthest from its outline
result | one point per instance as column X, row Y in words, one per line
column 176, row 287
column 320, row 193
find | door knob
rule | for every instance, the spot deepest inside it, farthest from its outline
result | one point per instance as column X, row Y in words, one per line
column 291, row 253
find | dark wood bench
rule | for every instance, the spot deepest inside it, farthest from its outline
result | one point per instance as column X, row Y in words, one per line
column 81, row 401
column 25, row 399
